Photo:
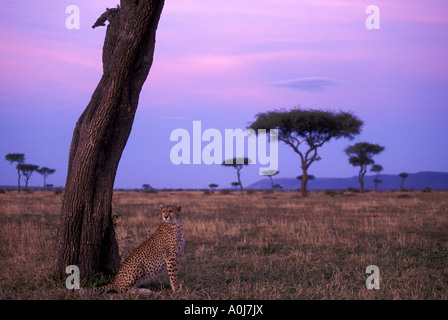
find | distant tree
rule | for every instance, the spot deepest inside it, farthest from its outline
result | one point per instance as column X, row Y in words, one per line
column 238, row 164
column 27, row 171
column 20, row 159
column 213, row 186
column 310, row 177
column 403, row 177
column 312, row 127
column 269, row 174
column 45, row 172
column 146, row 186
column 360, row 155
column 277, row 186
column 377, row 182
column 377, row 168
column 235, row 184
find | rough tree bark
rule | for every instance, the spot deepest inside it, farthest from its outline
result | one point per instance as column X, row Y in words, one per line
column 86, row 235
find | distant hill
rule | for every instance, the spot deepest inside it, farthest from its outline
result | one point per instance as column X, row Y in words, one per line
column 415, row 181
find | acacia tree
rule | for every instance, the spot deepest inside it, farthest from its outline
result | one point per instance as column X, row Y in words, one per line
column 271, row 173
column 360, row 155
column 20, row 159
column 213, row 186
column 403, row 177
column 86, row 235
column 27, row 170
column 238, row 164
column 45, row 172
column 314, row 128
column 377, row 168
column 235, row 184
column 310, row 177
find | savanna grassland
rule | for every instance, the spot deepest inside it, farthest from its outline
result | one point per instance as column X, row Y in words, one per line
column 250, row 246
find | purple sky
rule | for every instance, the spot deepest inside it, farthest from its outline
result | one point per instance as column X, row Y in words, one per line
column 222, row 62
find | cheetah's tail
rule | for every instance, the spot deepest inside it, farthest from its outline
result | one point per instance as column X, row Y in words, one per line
column 101, row 289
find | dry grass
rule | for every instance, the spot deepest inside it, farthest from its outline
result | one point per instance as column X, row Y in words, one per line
column 252, row 246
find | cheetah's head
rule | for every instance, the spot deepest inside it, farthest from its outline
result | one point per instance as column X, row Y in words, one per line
column 170, row 213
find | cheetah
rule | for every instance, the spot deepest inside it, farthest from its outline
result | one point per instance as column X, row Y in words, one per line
column 152, row 257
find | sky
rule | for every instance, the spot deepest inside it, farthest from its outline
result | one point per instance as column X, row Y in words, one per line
column 221, row 63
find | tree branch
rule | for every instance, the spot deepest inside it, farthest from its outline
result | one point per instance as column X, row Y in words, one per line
column 291, row 143
column 313, row 158
column 106, row 16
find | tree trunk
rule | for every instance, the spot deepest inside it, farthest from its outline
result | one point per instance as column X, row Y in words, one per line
column 303, row 184
column 402, row 184
column 18, row 181
column 239, row 178
column 86, row 235
column 304, row 181
column 362, row 172
column 272, row 182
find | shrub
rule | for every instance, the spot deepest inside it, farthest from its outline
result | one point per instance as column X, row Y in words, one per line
column 2, row 190
column 224, row 191
column 250, row 191
column 330, row 192
column 207, row 192
column 426, row 190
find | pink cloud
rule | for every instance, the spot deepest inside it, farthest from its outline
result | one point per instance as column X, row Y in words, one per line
column 414, row 11
column 37, row 65
column 229, row 51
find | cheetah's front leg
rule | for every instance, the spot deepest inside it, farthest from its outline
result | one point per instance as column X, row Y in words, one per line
column 172, row 272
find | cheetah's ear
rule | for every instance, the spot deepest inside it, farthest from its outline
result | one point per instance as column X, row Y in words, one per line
column 161, row 206
column 178, row 207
